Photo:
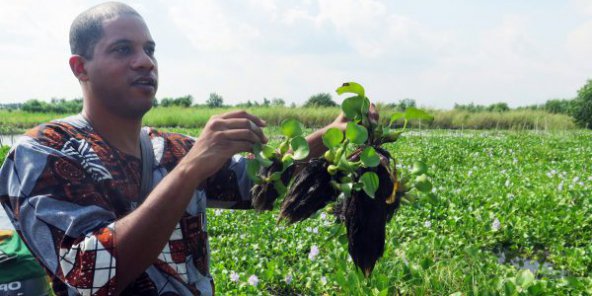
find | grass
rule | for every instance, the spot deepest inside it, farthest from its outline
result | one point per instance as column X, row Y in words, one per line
column 177, row 117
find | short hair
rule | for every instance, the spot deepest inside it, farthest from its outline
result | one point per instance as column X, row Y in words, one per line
column 87, row 28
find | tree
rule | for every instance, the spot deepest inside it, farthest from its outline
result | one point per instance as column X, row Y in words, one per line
column 583, row 106
column 320, row 100
column 278, row 102
column 266, row 102
column 498, row 107
column 185, row 101
column 215, row 101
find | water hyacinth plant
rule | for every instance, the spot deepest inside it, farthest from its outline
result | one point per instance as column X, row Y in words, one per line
column 355, row 173
column 271, row 168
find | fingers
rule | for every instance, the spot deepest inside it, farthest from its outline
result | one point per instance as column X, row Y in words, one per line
column 244, row 123
column 242, row 135
column 243, row 114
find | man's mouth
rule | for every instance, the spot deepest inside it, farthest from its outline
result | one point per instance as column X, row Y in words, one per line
column 145, row 82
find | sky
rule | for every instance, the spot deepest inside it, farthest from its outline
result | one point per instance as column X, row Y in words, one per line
column 436, row 52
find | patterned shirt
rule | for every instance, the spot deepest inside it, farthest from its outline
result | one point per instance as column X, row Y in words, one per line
column 63, row 187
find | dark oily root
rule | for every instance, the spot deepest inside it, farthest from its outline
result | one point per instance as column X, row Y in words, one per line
column 310, row 192
column 264, row 195
column 387, row 188
column 365, row 221
column 366, row 218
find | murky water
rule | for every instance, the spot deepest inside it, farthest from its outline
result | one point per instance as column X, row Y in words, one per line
column 9, row 140
column 536, row 267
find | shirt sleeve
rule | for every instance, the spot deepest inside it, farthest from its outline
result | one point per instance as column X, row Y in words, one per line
column 56, row 204
column 230, row 187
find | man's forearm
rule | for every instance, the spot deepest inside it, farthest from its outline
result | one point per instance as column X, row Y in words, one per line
column 141, row 235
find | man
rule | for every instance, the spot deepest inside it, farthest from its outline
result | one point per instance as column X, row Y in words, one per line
column 71, row 187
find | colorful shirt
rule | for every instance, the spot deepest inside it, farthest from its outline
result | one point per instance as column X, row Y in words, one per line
column 63, row 187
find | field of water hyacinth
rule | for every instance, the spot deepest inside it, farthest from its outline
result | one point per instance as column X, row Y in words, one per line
column 510, row 213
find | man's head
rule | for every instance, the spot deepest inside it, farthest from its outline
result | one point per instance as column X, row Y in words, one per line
column 87, row 28
column 113, row 58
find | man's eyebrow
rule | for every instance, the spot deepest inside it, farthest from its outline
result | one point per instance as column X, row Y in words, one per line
column 127, row 41
column 120, row 41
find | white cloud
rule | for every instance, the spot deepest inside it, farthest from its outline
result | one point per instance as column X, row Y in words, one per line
column 209, row 27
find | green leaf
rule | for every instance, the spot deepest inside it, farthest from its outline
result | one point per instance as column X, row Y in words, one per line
column 423, row 184
column 287, row 161
column 275, row 176
column 352, row 108
column 291, row 128
column 352, row 88
column 414, row 113
column 419, row 168
column 267, row 151
column 333, row 137
column 370, row 183
column 396, row 116
column 369, row 157
column 299, row 147
column 253, row 169
column 264, row 161
column 356, row 133
column 524, row 278
column 346, row 188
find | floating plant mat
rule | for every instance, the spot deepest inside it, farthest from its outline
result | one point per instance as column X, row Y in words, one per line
column 355, row 176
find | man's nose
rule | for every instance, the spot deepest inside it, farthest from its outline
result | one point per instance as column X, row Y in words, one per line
column 143, row 61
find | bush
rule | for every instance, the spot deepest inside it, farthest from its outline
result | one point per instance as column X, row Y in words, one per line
column 215, row 101
column 320, row 100
column 583, row 106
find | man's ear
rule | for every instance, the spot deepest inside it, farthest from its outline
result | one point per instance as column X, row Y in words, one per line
column 78, row 67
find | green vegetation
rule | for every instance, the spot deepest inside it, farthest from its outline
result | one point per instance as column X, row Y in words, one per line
column 18, row 121
column 521, row 194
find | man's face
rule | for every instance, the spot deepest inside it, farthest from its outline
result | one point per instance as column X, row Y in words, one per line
column 123, row 73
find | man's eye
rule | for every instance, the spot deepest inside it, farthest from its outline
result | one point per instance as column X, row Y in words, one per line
column 149, row 51
column 122, row 50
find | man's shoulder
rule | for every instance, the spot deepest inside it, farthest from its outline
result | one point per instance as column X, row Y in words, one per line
column 57, row 132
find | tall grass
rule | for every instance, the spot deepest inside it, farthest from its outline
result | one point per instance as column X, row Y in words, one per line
column 514, row 120
column 17, row 121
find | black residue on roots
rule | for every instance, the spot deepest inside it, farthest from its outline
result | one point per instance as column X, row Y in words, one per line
column 264, row 195
column 310, row 192
column 366, row 218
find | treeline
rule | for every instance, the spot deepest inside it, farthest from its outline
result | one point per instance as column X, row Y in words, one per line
column 580, row 108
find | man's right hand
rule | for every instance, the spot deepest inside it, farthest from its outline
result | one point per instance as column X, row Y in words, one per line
column 223, row 136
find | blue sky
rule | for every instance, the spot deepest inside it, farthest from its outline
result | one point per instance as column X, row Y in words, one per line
column 436, row 52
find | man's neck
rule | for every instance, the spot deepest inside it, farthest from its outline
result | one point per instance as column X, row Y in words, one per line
column 122, row 133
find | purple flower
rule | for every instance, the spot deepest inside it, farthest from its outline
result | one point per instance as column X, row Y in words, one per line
column 288, row 279
column 234, row 277
column 496, row 225
column 253, row 280
column 314, row 251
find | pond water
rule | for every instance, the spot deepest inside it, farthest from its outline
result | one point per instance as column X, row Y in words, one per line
column 536, row 267
column 9, row 140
